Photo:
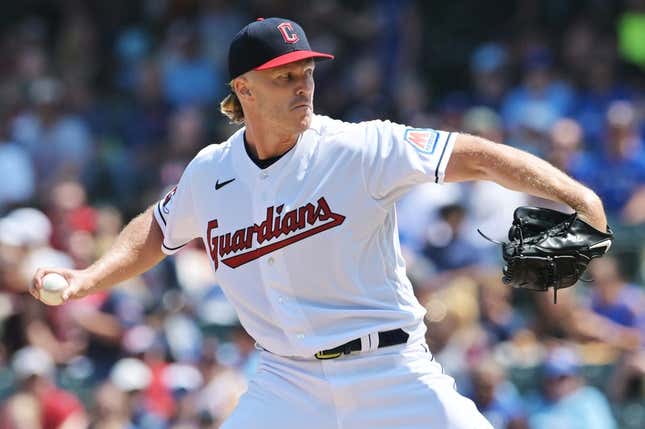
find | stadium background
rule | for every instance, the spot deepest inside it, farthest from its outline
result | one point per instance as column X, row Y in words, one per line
column 102, row 104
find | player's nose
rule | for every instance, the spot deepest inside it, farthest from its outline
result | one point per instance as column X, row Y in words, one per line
column 305, row 87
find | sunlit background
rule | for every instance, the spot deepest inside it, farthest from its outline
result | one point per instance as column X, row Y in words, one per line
column 103, row 103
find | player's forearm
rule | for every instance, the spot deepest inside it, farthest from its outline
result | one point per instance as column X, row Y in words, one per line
column 523, row 172
column 136, row 250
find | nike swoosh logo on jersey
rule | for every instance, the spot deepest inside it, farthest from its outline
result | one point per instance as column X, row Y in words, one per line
column 219, row 185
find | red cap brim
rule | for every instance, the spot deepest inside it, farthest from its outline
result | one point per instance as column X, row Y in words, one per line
column 292, row 57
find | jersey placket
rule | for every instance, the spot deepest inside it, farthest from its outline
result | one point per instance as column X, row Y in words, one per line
column 274, row 269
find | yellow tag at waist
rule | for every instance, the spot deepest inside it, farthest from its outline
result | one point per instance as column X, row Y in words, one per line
column 323, row 355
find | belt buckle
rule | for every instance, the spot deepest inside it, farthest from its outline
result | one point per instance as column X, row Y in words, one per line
column 323, row 355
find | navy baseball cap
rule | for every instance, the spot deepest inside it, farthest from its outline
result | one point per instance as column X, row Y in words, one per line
column 268, row 43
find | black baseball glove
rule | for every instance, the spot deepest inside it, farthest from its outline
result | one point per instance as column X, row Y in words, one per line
column 549, row 249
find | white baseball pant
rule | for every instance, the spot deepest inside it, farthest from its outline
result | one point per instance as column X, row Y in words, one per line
column 397, row 387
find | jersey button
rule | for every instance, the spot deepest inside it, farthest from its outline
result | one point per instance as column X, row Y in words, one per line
column 270, row 260
column 263, row 175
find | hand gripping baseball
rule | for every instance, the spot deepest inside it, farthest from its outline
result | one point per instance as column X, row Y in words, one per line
column 78, row 285
column 549, row 249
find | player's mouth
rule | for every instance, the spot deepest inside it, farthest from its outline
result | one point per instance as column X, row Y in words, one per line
column 301, row 106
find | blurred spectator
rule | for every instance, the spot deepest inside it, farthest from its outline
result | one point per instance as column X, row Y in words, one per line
column 143, row 128
column 617, row 174
column 569, row 320
column 484, row 122
column 222, row 388
column 623, row 306
column 454, row 336
column 530, row 110
column 146, row 125
column 412, row 99
column 627, row 387
column 419, row 208
column 111, row 408
column 132, row 377
column 70, row 213
column 104, row 320
column 131, row 48
column 218, row 23
column 18, row 183
column 366, row 83
column 489, row 71
column 109, row 222
column 60, row 143
column 495, row 397
column 182, row 333
column 31, row 54
column 184, row 382
column 38, row 403
column 566, row 144
column 600, row 90
column 445, row 247
column 578, row 46
column 24, row 246
column 77, row 45
column 565, row 151
column 189, row 77
column 186, row 135
column 614, row 298
column 185, row 139
column 499, row 318
column 565, row 401
column 146, row 342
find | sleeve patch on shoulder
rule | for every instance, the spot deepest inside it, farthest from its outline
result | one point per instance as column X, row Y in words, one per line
column 424, row 140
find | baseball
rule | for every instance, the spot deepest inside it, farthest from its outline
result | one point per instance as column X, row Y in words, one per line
column 53, row 286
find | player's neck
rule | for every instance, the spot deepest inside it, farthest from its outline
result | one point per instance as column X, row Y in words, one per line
column 268, row 142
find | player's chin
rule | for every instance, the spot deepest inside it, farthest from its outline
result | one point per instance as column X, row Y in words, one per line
column 302, row 117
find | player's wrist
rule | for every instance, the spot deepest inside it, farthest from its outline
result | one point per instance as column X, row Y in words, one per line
column 592, row 212
column 91, row 280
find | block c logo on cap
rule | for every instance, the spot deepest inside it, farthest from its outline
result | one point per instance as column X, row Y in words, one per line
column 288, row 34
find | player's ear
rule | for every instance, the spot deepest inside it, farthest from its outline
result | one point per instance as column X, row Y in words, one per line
column 241, row 87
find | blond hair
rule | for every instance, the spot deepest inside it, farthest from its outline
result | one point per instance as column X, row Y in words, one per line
column 232, row 108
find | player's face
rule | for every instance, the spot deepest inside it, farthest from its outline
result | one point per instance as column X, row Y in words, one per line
column 284, row 95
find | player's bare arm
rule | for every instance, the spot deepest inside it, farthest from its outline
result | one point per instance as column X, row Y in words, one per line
column 475, row 158
column 136, row 250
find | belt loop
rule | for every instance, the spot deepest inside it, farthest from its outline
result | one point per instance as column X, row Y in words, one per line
column 365, row 343
column 373, row 340
column 369, row 342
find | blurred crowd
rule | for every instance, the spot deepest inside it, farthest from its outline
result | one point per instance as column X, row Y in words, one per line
column 103, row 105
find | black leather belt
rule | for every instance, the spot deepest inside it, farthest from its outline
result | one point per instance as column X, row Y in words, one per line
column 385, row 339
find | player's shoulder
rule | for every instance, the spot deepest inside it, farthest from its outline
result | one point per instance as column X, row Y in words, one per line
column 215, row 152
column 330, row 126
column 350, row 134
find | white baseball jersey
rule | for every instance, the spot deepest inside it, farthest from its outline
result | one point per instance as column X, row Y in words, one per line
column 307, row 249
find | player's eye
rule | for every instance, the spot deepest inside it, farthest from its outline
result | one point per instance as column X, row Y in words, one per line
column 284, row 76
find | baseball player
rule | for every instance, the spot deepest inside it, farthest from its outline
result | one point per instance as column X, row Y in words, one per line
column 296, row 212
